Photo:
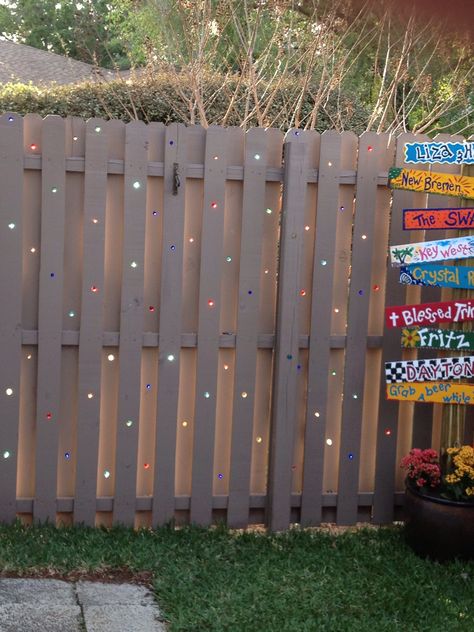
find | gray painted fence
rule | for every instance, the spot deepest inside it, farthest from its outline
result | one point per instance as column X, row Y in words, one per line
column 192, row 326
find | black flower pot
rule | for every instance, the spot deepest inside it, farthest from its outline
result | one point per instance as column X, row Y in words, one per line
column 438, row 528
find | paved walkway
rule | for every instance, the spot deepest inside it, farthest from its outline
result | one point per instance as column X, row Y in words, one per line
column 51, row 605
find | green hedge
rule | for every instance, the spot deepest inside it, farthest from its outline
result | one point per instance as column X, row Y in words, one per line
column 164, row 98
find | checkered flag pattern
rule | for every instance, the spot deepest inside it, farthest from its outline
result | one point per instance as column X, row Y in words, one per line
column 428, row 370
column 395, row 372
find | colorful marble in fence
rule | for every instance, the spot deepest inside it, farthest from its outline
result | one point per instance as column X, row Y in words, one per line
column 432, row 251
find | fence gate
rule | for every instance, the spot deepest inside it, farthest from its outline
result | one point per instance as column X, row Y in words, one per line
column 192, row 324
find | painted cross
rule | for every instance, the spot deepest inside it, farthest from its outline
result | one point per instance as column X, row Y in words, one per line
column 429, row 313
column 441, row 392
column 429, row 370
column 430, row 251
column 437, row 218
column 429, row 182
column 427, row 338
column 438, row 276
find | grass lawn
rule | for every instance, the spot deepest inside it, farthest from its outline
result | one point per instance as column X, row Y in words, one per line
column 300, row 581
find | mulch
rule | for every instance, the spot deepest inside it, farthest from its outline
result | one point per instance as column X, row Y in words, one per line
column 105, row 575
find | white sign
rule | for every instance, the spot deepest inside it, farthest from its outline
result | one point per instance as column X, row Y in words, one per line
column 430, row 251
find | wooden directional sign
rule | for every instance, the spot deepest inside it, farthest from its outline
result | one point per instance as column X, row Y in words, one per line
column 429, row 370
column 428, row 274
column 429, row 313
column 428, row 182
column 437, row 218
column 427, row 338
column 441, row 392
column 441, row 153
column 430, row 251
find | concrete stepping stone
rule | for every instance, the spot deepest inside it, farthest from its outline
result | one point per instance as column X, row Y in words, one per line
column 51, row 605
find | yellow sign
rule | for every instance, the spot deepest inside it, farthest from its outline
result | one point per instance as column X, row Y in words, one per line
column 429, row 182
column 441, row 392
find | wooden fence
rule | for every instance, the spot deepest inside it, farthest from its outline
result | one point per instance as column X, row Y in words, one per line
column 192, row 326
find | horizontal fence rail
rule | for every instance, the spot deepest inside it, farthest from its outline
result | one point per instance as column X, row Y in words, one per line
column 192, row 324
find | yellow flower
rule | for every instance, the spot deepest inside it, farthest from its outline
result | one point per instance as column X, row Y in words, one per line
column 463, row 461
column 462, row 469
column 410, row 337
column 452, row 478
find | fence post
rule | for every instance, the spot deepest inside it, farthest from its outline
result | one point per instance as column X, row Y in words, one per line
column 170, row 325
column 336, row 151
column 256, row 142
column 372, row 153
column 92, row 305
column 284, row 409
column 131, row 321
column 11, row 203
column 207, row 356
column 48, row 388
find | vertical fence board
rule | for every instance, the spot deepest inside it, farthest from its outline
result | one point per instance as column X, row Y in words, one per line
column 376, row 321
column 189, row 316
column 417, row 425
column 32, row 125
column 50, row 317
column 208, row 326
column 131, row 322
column 320, row 330
column 253, row 213
column 387, row 433
column 371, row 147
column 388, row 430
column 110, row 373
column 283, row 421
column 422, row 431
column 170, row 324
column 266, row 319
column 229, row 300
column 11, row 264
column 154, row 231
column 90, row 340
column 342, row 269
column 72, row 275
column 304, row 298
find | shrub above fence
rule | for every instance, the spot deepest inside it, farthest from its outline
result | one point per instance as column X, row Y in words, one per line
column 170, row 98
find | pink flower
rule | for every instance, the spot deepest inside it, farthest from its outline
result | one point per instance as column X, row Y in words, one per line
column 423, row 467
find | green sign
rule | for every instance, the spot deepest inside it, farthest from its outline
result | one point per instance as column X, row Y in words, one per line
column 430, row 338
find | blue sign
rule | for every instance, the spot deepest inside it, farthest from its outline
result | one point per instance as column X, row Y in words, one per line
column 428, row 274
column 442, row 153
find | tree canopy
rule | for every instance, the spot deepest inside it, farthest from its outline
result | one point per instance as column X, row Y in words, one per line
column 81, row 30
column 402, row 71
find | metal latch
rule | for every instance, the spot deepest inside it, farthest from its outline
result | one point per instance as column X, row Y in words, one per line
column 176, row 180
